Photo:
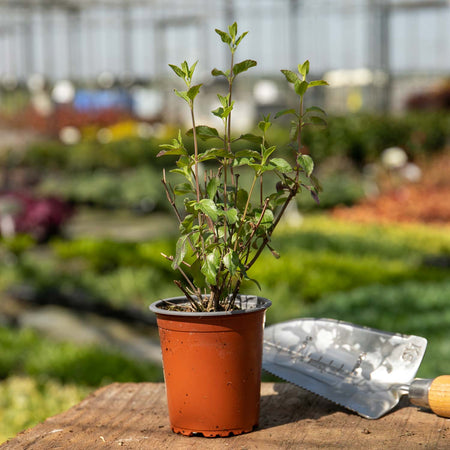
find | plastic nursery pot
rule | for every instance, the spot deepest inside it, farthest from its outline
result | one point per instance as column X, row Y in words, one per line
column 212, row 366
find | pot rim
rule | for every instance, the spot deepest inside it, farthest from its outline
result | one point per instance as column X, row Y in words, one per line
column 251, row 303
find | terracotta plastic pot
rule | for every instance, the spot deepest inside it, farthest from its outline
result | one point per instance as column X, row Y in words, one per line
column 212, row 367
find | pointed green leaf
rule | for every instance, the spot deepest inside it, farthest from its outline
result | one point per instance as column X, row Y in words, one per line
column 264, row 125
column 224, row 36
column 266, row 152
column 211, row 188
column 191, row 70
column 281, row 165
column 186, row 224
column 318, row 83
column 306, row 163
column 267, row 219
column 315, row 109
column 193, row 91
column 248, row 154
column 243, row 66
column 223, row 100
column 231, row 215
column 241, row 199
column 215, row 153
column 251, row 138
column 180, row 251
column 217, row 73
column 178, row 71
column 231, row 262
column 303, row 69
column 208, row 207
column 183, row 188
column 300, row 87
column 242, row 36
column 292, row 77
column 284, row 112
column 232, row 30
column 183, row 95
column 204, row 132
column 210, row 266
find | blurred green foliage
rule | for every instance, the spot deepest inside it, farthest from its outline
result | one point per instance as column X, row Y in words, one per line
column 360, row 137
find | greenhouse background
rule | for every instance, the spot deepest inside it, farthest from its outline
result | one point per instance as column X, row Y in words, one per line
column 375, row 53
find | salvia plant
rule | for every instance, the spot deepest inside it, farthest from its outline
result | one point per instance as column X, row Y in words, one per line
column 224, row 226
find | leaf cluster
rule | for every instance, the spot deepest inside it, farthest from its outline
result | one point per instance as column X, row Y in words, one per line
column 225, row 226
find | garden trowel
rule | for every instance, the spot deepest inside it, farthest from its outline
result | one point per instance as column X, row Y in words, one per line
column 363, row 369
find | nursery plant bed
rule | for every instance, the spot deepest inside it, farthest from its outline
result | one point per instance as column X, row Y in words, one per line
column 134, row 416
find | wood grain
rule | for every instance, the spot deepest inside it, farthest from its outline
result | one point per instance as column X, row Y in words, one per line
column 439, row 396
column 134, row 416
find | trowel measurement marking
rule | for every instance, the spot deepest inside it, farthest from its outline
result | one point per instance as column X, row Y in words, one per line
column 319, row 363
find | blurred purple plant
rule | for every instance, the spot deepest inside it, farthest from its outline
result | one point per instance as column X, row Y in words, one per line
column 41, row 218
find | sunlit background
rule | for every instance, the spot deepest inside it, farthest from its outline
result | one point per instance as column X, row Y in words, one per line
column 86, row 98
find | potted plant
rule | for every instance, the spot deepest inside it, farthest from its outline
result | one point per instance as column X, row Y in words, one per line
column 211, row 336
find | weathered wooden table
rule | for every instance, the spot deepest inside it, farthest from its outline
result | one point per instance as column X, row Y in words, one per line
column 134, row 416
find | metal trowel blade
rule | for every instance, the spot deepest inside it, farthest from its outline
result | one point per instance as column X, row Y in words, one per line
column 360, row 368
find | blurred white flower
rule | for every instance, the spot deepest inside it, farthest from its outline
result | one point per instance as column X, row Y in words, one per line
column 394, row 158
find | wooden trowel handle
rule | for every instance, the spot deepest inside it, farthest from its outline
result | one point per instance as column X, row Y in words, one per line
column 433, row 394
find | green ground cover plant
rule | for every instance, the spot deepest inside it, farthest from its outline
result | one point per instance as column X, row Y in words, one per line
column 26, row 401
column 368, row 274
column 40, row 377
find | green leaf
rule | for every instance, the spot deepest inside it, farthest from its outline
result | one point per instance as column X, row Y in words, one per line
column 251, row 138
column 243, row 66
column 180, row 251
column 231, row 262
column 306, row 163
column 241, row 199
column 318, row 83
column 224, row 100
column 183, row 95
column 244, row 161
column 217, row 73
column 178, row 71
column 232, row 30
column 267, row 219
column 215, row 153
column 300, row 87
column 304, row 69
column 266, row 152
column 315, row 109
column 286, row 111
column 292, row 77
column 242, row 36
column 208, row 207
column 211, row 188
column 316, row 120
column 248, row 154
column 191, row 70
column 204, row 132
column 231, row 215
column 210, row 266
column 193, row 91
column 186, row 224
column 281, row 165
column 264, row 125
column 224, row 36
column 223, row 113
column 183, row 188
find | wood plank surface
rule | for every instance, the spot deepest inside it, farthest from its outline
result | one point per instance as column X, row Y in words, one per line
column 134, row 416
